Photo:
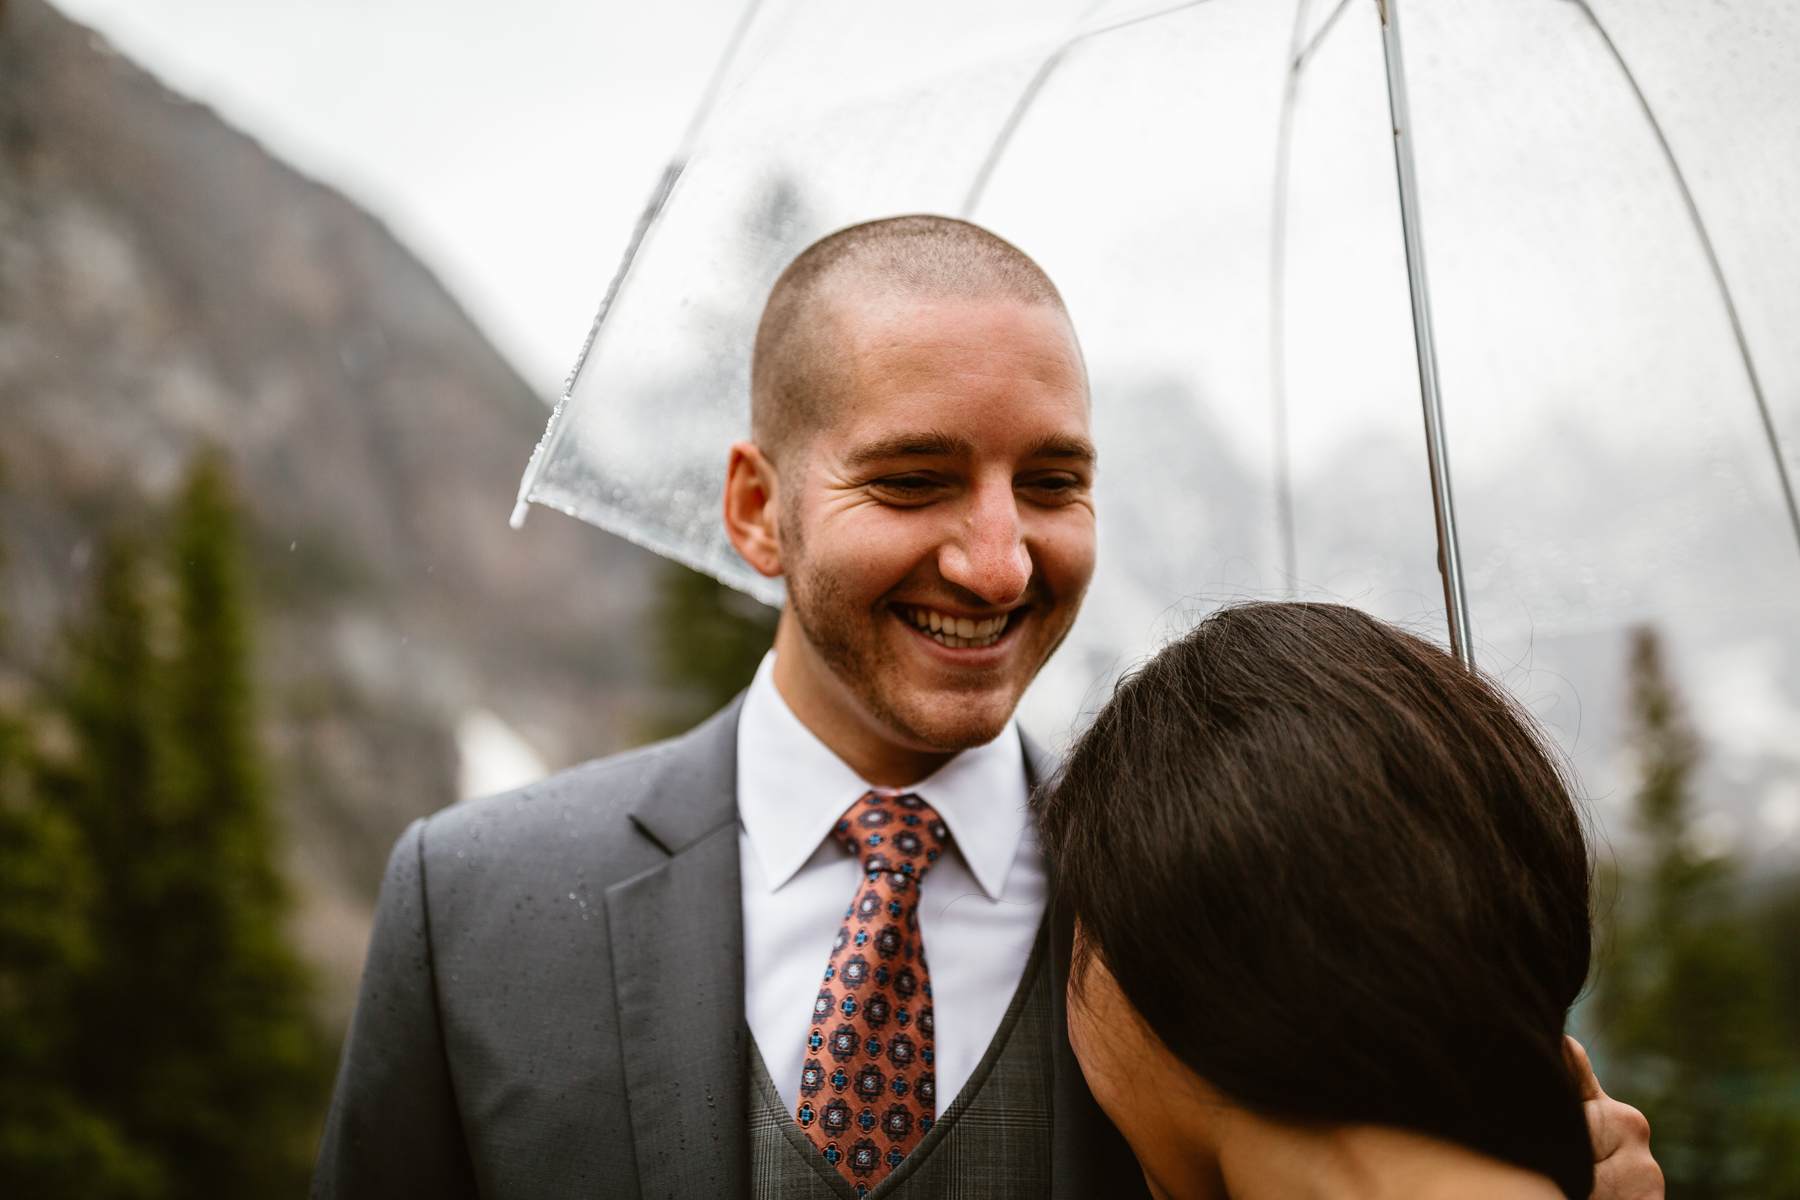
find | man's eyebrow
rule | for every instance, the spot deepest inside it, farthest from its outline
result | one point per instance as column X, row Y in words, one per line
column 933, row 443
column 929, row 443
column 1064, row 446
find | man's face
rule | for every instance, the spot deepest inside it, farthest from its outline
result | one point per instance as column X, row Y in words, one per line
column 938, row 532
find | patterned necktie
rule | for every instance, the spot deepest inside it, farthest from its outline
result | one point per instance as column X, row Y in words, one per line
column 868, row 1091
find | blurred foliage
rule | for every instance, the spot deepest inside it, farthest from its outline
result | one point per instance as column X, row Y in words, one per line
column 158, row 1038
column 51, row 1142
column 1700, row 983
column 709, row 640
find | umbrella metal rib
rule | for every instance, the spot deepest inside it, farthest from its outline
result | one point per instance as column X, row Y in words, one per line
column 1298, row 55
column 1437, row 451
column 1437, row 455
column 1029, row 94
column 1712, row 261
column 652, row 211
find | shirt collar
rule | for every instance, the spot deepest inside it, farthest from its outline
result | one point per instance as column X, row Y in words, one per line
column 792, row 788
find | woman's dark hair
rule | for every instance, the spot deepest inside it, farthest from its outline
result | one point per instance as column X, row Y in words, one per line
column 1340, row 877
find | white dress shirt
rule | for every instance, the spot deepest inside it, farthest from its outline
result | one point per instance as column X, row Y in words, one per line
column 979, row 908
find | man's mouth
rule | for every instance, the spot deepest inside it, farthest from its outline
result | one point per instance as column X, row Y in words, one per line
column 958, row 633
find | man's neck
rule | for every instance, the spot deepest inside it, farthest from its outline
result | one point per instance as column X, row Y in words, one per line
column 841, row 724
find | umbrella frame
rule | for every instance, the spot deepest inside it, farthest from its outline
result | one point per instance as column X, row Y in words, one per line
column 1449, row 555
column 1437, row 449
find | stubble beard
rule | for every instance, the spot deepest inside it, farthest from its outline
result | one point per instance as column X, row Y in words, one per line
column 839, row 633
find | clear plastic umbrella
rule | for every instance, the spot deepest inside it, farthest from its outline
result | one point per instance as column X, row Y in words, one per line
column 1609, row 201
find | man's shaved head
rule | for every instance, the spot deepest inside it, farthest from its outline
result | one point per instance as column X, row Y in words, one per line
column 799, row 363
column 921, row 475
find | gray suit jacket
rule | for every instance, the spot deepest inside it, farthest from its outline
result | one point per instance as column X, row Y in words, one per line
column 553, row 1004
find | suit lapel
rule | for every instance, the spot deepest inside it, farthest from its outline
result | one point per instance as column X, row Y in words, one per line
column 677, row 941
column 1089, row 1157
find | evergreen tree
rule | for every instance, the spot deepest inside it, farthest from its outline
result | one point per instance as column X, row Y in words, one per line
column 111, row 789
column 1686, row 996
column 709, row 639
column 242, row 1084
column 51, row 1142
column 195, row 1031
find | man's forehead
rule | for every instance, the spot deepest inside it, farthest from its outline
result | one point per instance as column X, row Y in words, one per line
column 890, row 321
column 914, row 376
column 928, row 343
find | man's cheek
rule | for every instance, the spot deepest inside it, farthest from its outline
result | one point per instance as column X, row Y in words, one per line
column 884, row 554
column 1068, row 567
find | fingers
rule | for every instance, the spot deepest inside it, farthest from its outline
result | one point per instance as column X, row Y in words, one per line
column 1624, row 1168
column 1615, row 1127
column 1629, row 1174
column 1581, row 1069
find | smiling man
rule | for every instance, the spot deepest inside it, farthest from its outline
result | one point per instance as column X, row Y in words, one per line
column 921, row 475
column 803, row 950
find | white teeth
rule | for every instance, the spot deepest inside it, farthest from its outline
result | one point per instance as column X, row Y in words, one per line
column 957, row 632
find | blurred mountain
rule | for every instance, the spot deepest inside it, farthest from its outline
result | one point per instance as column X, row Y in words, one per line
column 166, row 283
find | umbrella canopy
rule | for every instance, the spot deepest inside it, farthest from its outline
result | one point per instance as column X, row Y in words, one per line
column 1609, row 195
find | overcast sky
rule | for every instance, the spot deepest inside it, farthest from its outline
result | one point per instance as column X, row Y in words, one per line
column 510, row 146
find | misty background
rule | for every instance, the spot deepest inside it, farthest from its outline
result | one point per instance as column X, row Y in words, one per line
column 285, row 292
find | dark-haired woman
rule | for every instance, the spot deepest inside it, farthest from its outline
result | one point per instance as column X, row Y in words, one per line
column 1331, row 899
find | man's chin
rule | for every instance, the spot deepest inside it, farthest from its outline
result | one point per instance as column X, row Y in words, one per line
column 949, row 728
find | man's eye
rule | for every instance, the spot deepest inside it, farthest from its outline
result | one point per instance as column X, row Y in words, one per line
column 1055, row 485
column 909, row 483
column 907, row 491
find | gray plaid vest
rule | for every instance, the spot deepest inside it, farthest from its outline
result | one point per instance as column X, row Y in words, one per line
column 992, row 1143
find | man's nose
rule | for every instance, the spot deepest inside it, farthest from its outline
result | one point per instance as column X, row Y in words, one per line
column 988, row 556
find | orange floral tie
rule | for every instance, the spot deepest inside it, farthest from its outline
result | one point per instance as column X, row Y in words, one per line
column 868, row 1089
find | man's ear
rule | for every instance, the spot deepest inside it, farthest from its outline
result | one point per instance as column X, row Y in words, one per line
column 752, row 508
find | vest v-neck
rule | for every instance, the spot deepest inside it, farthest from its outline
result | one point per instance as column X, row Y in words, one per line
column 767, row 1109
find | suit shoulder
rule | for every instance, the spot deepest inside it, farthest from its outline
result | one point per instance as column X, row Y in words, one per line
column 596, row 794
column 581, row 814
